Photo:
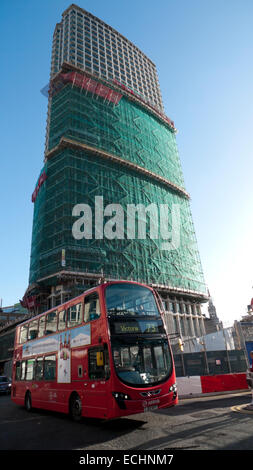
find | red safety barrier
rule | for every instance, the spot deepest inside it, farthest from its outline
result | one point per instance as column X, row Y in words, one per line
column 83, row 81
column 41, row 180
column 223, row 382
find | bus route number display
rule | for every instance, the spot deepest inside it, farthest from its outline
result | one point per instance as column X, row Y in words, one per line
column 136, row 327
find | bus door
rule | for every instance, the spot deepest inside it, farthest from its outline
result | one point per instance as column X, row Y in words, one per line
column 97, row 388
column 37, row 385
column 48, row 392
column 20, row 376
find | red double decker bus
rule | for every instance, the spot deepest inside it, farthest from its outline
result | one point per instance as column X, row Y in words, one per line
column 104, row 354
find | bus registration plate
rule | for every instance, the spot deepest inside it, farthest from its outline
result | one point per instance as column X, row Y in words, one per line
column 150, row 408
column 150, row 405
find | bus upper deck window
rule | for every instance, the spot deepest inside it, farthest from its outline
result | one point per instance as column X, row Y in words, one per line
column 33, row 329
column 42, row 326
column 23, row 334
column 51, row 323
column 91, row 307
column 74, row 315
column 62, row 320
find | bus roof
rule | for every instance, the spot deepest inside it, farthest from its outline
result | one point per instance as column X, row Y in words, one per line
column 88, row 291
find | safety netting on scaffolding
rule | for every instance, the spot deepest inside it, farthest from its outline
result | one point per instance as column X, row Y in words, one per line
column 139, row 246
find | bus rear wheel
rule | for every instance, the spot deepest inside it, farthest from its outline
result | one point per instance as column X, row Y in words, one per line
column 75, row 407
column 28, row 401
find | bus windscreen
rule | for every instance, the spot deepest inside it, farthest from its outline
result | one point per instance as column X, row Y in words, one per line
column 125, row 299
column 141, row 362
column 140, row 348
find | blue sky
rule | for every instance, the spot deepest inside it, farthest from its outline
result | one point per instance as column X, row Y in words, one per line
column 203, row 52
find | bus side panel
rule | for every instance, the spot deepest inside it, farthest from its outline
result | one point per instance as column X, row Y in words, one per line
column 96, row 399
column 93, row 392
column 79, row 365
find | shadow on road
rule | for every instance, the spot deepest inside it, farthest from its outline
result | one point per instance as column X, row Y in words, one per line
column 207, row 403
column 48, row 430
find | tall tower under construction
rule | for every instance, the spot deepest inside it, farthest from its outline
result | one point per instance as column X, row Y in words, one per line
column 110, row 201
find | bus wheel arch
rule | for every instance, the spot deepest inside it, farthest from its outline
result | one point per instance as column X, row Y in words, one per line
column 28, row 401
column 75, row 406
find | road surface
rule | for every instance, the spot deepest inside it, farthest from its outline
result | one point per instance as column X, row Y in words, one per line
column 210, row 423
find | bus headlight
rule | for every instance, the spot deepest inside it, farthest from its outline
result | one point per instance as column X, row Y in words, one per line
column 121, row 396
column 173, row 388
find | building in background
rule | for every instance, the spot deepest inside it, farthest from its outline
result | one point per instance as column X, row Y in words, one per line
column 244, row 331
column 109, row 142
column 12, row 313
column 10, row 317
column 212, row 323
column 212, row 312
column 85, row 41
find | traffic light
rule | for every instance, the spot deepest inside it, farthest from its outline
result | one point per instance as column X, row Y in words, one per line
column 180, row 344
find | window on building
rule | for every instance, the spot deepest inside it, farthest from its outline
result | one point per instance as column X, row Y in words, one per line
column 182, row 327
column 188, row 324
column 174, row 324
column 171, row 307
column 196, row 327
column 198, row 309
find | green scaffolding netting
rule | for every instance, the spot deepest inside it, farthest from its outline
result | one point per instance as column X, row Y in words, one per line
column 126, row 130
column 78, row 176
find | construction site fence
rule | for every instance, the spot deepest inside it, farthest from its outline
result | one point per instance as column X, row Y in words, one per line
column 210, row 363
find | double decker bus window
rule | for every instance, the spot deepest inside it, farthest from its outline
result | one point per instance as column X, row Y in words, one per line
column 39, row 369
column 33, row 330
column 160, row 359
column 30, row 369
column 142, row 361
column 74, row 315
column 23, row 368
column 18, row 370
column 62, row 320
column 23, row 334
column 99, row 367
column 147, row 358
column 130, row 299
column 49, row 367
column 42, row 326
column 51, row 322
column 91, row 307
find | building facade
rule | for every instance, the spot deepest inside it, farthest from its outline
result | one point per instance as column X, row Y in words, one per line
column 111, row 155
column 85, row 41
column 10, row 317
column 12, row 313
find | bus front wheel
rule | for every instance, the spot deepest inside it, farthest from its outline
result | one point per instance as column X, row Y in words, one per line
column 28, row 401
column 75, row 407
